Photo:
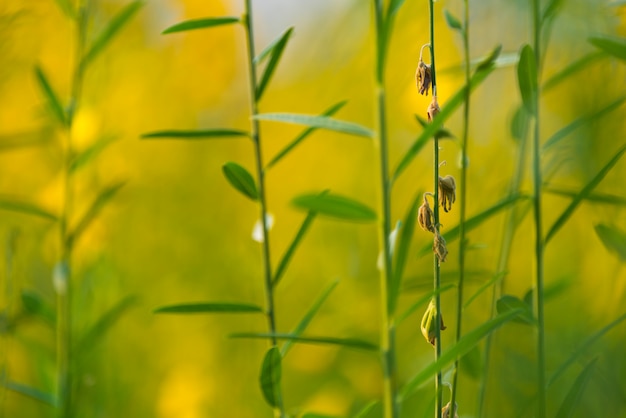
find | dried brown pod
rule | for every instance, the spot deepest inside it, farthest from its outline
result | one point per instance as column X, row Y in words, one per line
column 447, row 192
column 425, row 216
column 428, row 323
column 445, row 411
column 423, row 77
column 433, row 109
column 439, row 247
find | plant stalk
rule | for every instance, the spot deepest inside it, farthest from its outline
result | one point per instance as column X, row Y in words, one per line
column 463, row 202
column 256, row 139
column 387, row 327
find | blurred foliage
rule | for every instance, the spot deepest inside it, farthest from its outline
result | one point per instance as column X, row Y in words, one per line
column 177, row 232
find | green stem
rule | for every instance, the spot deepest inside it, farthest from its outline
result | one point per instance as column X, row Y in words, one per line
column 256, row 139
column 387, row 330
column 463, row 201
column 537, row 182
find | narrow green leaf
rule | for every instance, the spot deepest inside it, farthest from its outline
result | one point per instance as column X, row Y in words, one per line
column 494, row 279
column 209, row 307
column 509, row 303
column 551, row 10
column 440, row 134
column 67, row 8
column 276, row 53
column 270, row 377
column 527, row 79
column 583, row 120
column 268, row 50
column 240, row 179
column 611, row 45
column 15, row 205
column 323, row 122
column 402, row 251
column 609, row 199
column 475, row 221
column 344, row 342
column 446, row 111
column 284, row 262
column 335, row 206
column 423, row 301
column 209, row 22
column 463, row 346
column 471, row 363
column 94, row 210
column 18, row 140
column 205, row 134
column 35, row 305
column 306, row 319
column 308, row 131
column 82, row 159
column 366, row 409
column 493, row 60
column 614, row 239
column 567, row 213
column 578, row 65
column 394, row 7
column 583, row 347
column 105, row 323
column 520, row 123
column 114, row 26
column 30, row 392
column 452, row 21
column 54, row 104
column 576, row 392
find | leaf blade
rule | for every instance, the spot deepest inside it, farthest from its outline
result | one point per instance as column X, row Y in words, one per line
column 52, row 99
column 575, row 393
column 611, row 45
column 613, row 239
column 527, row 79
column 452, row 21
column 11, row 204
column 276, row 51
column 344, row 342
column 31, row 392
column 209, row 307
column 209, row 22
column 323, row 122
column 194, row 135
column 284, row 262
column 335, row 206
column 241, row 180
column 105, row 322
column 270, row 377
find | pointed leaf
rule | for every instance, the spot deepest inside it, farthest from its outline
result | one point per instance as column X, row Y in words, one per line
column 510, row 303
column 576, row 392
column 552, row 9
column 105, row 323
column 304, row 322
column 276, row 53
column 335, row 206
column 67, row 8
column 402, row 251
column 446, row 111
column 308, row 131
column 423, row 301
column 114, row 26
column 583, row 120
column 520, row 123
column 205, row 134
column 611, row 45
column 240, row 179
column 209, row 307
column 268, row 50
column 323, row 122
column 94, row 210
column 344, row 342
column 394, row 6
column 35, row 305
column 493, row 60
column 440, row 134
column 578, row 65
column 567, row 213
column 452, row 21
column 592, row 197
column 494, row 279
column 270, row 377
column 366, row 409
column 284, row 262
column 204, row 23
column 82, row 159
column 614, row 239
column 527, row 79
column 462, row 347
column 54, row 104
column 471, row 363
column 583, row 347
column 15, row 205
column 30, row 392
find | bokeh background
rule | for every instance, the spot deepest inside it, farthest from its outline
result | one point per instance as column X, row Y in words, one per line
column 178, row 232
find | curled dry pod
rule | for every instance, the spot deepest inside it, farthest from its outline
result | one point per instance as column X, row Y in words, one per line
column 447, row 192
column 445, row 411
column 433, row 109
column 425, row 216
column 423, row 77
column 439, row 247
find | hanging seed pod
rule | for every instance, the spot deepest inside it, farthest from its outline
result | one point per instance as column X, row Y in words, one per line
column 423, row 77
column 439, row 247
column 433, row 109
column 425, row 216
column 445, row 411
column 447, row 192
column 428, row 323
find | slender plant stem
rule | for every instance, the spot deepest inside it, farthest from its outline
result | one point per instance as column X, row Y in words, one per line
column 436, row 266
column 463, row 202
column 387, row 328
column 256, row 139
column 537, row 181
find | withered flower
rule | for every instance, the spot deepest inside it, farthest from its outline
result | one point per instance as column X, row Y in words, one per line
column 423, row 77
column 433, row 109
column 447, row 192
column 425, row 216
column 445, row 412
column 439, row 247
column 428, row 323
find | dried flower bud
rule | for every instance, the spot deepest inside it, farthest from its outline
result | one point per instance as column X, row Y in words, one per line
column 423, row 77
column 428, row 323
column 425, row 216
column 445, row 412
column 433, row 109
column 447, row 192
column 439, row 247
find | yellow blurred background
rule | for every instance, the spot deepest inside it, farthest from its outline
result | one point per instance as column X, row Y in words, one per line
column 177, row 232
